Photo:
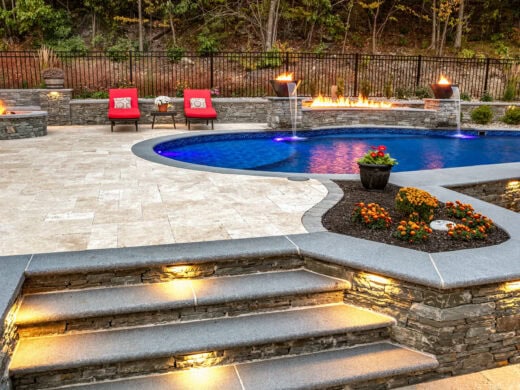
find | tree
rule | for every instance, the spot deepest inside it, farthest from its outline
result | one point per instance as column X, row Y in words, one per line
column 379, row 16
column 460, row 24
column 140, row 28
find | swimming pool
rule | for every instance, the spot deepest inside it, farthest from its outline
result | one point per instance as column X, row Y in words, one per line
column 334, row 151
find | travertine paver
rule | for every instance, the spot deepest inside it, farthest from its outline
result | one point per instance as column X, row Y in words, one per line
column 81, row 187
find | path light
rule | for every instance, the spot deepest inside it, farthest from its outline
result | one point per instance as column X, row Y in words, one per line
column 377, row 278
column 513, row 286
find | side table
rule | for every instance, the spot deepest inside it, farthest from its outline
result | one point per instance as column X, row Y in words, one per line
column 163, row 113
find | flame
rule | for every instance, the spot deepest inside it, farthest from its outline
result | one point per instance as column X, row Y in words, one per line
column 3, row 109
column 285, row 77
column 443, row 80
column 321, row 101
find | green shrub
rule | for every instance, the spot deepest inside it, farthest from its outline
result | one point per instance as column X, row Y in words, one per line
column 423, row 92
column 119, row 51
column 482, row 115
column 509, row 91
column 467, row 53
column 207, row 45
column 486, row 97
column 74, row 45
column 465, row 96
column 402, row 93
column 100, row 95
column 512, row 116
column 271, row 59
column 365, row 88
column 175, row 53
column 389, row 88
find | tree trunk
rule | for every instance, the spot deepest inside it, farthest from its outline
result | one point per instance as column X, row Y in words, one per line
column 272, row 20
column 443, row 38
column 350, row 5
column 460, row 24
column 172, row 26
column 433, row 44
column 140, row 16
column 93, row 27
column 374, row 31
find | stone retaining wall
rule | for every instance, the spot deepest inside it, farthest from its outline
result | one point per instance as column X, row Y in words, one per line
column 9, row 337
column 503, row 193
column 25, row 125
column 467, row 329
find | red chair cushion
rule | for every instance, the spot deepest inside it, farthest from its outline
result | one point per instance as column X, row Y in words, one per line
column 123, row 113
column 199, row 113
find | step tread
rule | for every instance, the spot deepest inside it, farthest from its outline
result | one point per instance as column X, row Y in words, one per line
column 63, row 305
column 316, row 370
column 101, row 347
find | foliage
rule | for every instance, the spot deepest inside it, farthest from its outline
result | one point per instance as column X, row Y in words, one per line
column 74, row 45
column 512, row 116
column 482, row 115
column 402, row 93
column 271, row 59
column 371, row 215
column 175, row 53
column 389, row 88
column 159, row 100
column 412, row 231
column 465, row 96
column 365, row 88
column 472, row 225
column 467, row 53
column 52, row 73
column 423, row 92
column 486, row 97
column 99, row 95
column 510, row 91
column 47, row 57
column 119, row 51
column 207, row 44
column 410, row 200
column 377, row 155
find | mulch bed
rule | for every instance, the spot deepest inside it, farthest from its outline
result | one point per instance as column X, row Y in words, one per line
column 338, row 220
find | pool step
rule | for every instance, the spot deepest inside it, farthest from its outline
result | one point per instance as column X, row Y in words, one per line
column 358, row 366
column 49, row 361
column 178, row 300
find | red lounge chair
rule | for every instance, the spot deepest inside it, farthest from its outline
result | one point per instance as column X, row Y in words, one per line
column 123, row 106
column 198, row 106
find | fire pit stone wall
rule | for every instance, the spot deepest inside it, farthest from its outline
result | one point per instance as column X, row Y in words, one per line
column 23, row 124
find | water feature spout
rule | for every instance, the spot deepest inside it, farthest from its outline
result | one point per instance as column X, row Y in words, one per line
column 292, row 88
column 456, row 96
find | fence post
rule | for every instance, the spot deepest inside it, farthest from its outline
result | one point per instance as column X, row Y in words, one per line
column 356, row 68
column 486, row 75
column 418, row 73
column 211, row 70
column 131, row 67
column 286, row 62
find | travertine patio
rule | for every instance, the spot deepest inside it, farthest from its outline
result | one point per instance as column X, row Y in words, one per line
column 81, row 187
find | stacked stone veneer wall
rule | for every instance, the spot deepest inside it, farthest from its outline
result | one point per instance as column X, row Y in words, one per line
column 26, row 125
column 503, row 193
column 467, row 329
column 9, row 337
column 279, row 113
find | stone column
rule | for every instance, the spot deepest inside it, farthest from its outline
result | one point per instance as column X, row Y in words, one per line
column 57, row 103
column 447, row 111
column 279, row 113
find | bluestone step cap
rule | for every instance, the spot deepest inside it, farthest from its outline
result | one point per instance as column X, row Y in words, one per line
column 11, row 279
column 313, row 371
column 334, row 368
column 40, row 354
column 211, row 378
column 156, row 255
column 63, row 305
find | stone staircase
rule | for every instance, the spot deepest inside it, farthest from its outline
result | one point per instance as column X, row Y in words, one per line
column 230, row 324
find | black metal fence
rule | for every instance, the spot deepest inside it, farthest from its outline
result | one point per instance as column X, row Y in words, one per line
column 248, row 74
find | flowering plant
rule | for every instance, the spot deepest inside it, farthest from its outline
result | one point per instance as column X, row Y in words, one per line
column 372, row 215
column 412, row 231
column 162, row 100
column 377, row 155
column 413, row 200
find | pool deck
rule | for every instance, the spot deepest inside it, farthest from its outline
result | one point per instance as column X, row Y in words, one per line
column 81, row 187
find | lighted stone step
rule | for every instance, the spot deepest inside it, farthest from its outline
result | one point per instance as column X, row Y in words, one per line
column 357, row 365
column 179, row 300
column 41, row 362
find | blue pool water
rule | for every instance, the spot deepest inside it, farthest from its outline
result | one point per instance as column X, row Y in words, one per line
column 336, row 150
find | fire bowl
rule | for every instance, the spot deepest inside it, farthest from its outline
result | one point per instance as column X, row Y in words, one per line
column 280, row 86
column 442, row 91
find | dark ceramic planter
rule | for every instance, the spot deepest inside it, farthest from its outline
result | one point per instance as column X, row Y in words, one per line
column 442, row 91
column 374, row 176
column 280, row 87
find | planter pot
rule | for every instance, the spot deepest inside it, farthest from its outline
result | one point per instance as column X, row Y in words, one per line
column 54, row 83
column 280, row 87
column 442, row 91
column 373, row 176
column 163, row 107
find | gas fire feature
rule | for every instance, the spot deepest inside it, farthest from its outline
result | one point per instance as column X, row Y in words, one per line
column 442, row 89
column 15, row 124
column 279, row 84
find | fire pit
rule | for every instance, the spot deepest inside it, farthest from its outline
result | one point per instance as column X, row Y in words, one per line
column 321, row 102
column 15, row 124
column 279, row 84
column 442, row 89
